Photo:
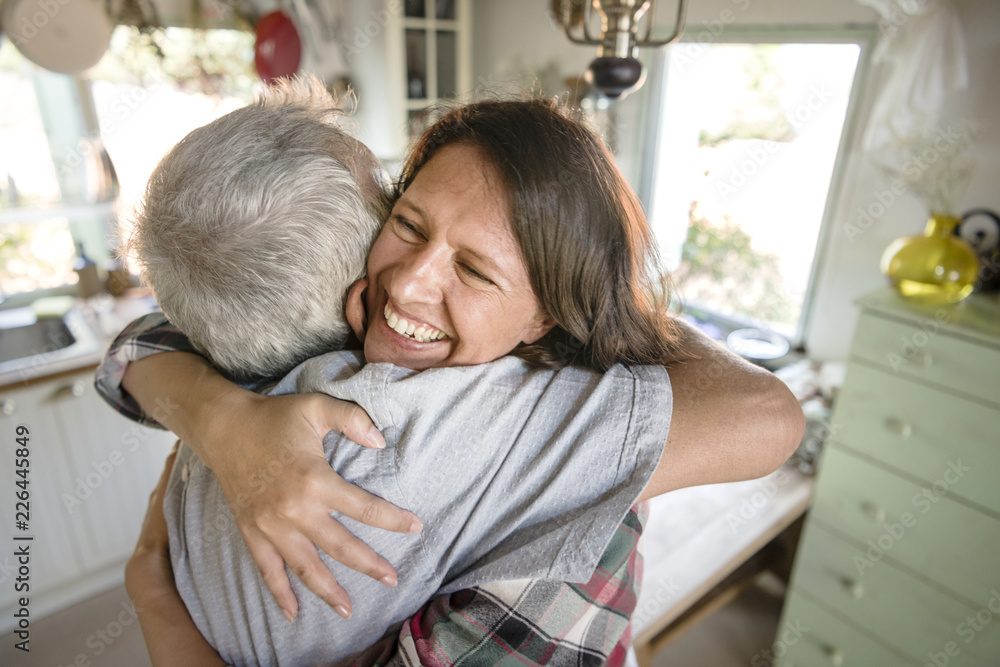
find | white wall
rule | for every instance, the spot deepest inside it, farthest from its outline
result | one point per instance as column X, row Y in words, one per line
column 506, row 30
column 851, row 267
column 519, row 34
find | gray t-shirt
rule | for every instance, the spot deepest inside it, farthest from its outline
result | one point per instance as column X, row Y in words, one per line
column 516, row 473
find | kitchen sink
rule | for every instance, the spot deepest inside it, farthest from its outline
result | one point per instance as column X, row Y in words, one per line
column 30, row 342
column 46, row 335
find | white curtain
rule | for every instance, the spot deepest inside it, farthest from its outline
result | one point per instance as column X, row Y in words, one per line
column 923, row 46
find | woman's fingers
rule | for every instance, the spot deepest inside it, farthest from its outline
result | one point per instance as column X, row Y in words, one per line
column 339, row 544
column 302, row 559
column 351, row 420
column 272, row 570
column 321, row 492
column 285, row 531
column 354, row 502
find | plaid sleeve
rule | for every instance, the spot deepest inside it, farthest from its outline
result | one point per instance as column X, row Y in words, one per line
column 527, row 622
column 150, row 334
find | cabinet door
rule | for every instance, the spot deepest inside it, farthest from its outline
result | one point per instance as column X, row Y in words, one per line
column 912, row 616
column 90, row 478
column 920, row 526
column 921, row 430
column 811, row 636
column 113, row 465
column 55, row 559
column 920, row 350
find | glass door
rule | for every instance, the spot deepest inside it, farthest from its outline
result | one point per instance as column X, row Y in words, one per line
column 432, row 56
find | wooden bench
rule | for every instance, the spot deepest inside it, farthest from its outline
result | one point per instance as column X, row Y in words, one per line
column 704, row 544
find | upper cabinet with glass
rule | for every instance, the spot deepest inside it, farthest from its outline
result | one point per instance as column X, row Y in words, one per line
column 405, row 55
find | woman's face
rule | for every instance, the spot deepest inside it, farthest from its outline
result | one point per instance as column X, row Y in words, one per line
column 447, row 285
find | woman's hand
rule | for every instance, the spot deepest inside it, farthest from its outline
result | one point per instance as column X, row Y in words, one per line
column 267, row 453
column 282, row 491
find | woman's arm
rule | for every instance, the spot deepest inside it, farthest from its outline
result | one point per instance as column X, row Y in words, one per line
column 731, row 420
column 280, row 487
column 171, row 636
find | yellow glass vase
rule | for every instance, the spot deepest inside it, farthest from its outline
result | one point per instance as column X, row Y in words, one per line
column 935, row 268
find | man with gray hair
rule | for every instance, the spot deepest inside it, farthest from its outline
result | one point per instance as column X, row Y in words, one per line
column 254, row 226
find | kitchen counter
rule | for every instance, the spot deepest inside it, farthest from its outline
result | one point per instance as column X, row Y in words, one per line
column 94, row 323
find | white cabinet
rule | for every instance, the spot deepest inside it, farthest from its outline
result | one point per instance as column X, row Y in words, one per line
column 403, row 56
column 91, row 472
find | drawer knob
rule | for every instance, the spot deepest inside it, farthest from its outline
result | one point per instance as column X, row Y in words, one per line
column 919, row 358
column 75, row 389
column 899, row 427
column 834, row 655
column 7, row 407
column 873, row 512
column 854, row 589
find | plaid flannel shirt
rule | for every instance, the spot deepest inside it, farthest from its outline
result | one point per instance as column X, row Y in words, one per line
column 522, row 622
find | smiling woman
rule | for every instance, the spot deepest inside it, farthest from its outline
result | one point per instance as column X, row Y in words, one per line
column 446, row 263
column 580, row 231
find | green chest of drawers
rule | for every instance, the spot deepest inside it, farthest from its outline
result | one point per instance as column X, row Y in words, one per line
column 900, row 560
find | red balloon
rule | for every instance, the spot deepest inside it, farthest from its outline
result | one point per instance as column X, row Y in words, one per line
column 278, row 49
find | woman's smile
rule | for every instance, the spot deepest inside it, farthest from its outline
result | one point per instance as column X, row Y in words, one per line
column 422, row 333
column 446, row 274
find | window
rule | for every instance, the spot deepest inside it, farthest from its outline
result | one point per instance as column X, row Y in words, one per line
column 748, row 136
column 68, row 145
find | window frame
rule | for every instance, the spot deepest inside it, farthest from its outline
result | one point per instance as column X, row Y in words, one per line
column 864, row 36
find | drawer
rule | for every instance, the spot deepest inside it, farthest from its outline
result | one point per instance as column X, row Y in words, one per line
column 826, row 640
column 920, row 430
column 917, row 526
column 909, row 615
column 921, row 350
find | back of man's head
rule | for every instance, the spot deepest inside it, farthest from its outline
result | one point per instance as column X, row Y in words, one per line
column 254, row 226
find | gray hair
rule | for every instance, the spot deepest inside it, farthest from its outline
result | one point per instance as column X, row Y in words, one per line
column 254, row 226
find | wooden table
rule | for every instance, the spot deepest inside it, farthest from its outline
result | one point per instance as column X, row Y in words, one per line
column 704, row 543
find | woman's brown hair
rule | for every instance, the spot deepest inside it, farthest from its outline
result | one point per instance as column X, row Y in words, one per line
column 589, row 252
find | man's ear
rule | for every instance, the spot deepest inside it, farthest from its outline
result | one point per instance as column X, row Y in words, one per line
column 354, row 308
column 542, row 325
